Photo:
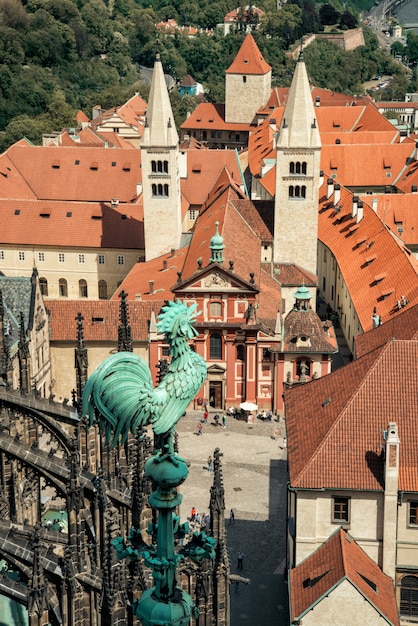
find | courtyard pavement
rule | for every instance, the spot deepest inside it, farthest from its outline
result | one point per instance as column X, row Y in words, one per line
column 255, row 478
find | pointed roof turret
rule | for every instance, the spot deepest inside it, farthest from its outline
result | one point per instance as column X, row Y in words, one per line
column 217, row 247
column 299, row 127
column 160, row 129
column 249, row 59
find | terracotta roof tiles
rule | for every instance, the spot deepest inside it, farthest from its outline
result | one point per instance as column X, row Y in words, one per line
column 249, row 59
column 403, row 326
column 78, row 224
column 375, row 267
column 207, row 115
column 101, row 319
column 337, row 559
column 335, row 424
column 92, row 174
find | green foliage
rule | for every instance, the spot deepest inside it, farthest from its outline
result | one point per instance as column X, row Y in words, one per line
column 58, row 56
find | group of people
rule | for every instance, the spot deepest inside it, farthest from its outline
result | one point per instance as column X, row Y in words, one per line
column 201, row 521
column 217, row 418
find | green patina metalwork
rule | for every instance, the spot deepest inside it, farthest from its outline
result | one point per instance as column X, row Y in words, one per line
column 120, row 397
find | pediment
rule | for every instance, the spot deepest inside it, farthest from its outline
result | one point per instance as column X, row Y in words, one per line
column 215, row 278
column 216, row 369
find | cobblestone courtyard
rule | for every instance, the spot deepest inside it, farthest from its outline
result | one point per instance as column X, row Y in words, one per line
column 255, row 478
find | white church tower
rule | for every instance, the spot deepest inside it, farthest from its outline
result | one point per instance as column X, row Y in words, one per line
column 298, row 152
column 160, row 171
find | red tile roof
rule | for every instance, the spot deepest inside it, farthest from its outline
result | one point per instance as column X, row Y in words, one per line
column 71, row 174
column 340, row 559
column 364, row 252
column 399, row 212
column 209, row 116
column 335, row 424
column 203, row 170
column 162, row 271
column 74, row 224
column 101, row 319
column 249, row 59
column 403, row 326
column 131, row 112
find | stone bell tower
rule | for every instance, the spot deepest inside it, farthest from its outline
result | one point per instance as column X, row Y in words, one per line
column 160, row 171
column 298, row 152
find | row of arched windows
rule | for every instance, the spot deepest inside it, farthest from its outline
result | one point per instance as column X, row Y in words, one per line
column 82, row 288
column 159, row 167
column 298, row 168
column 297, row 191
column 160, row 190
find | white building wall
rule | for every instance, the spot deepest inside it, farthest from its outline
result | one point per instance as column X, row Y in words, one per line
column 344, row 606
column 314, row 521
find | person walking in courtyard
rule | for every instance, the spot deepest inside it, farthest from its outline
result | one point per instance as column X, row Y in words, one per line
column 240, row 560
column 199, row 429
column 205, row 417
column 210, row 465
column 231, row 517
column 224, row 420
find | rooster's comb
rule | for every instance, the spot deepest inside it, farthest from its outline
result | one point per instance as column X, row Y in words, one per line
column 171, row 312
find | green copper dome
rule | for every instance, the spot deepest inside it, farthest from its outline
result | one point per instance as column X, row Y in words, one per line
column 303, row 293
column 217, row 246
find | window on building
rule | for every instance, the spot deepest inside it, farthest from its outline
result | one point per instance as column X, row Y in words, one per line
column 61, row 257
column 409, row 596
column 413, row 513
column 291, row 191
column 215, row 309
column 192, row 214
column 82, row 288
column 41, row 257
column 240, row 353
column 63, row 288
column 215, row 348
column 165, row 351
column 244, row 79
column 43, row 284
column 340, row 509
column 121, row 259
column 153, row 166
column 102, row 290
column 101, row 259
column 291, row 168
column 21, row 256
column 1, row 255
column 81, row 258
column 266, row 354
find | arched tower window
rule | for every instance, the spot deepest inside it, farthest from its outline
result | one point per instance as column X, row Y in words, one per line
column 304, row 168
column 215, row 347
column 153, row 166
column 43, row 284
column 291, row 168
column 154, row 190
column 63, row 288
column 409, row 596
column 102, row 290
column 291, row 191
column 82, row 288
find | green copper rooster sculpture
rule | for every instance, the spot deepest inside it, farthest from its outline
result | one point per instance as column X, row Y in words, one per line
column 120, row 395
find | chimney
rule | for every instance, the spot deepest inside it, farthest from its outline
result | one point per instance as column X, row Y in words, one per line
column 374, row 204
column 172, row 251
column 321, row 178
column 359, row 211
column 151, row 287
column 330, row 187
column 317, row 101
column 354, row 209
column 165, row 264
column 390, row 514
column 337, row 193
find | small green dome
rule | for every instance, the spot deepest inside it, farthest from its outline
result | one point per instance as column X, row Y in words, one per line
column 303, row 293
column 217, row 246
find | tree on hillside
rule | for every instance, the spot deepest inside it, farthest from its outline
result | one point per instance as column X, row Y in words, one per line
column 328, row 15
column 347, row 20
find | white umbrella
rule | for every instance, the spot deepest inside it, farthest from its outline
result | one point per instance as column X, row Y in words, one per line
column 248, row 406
